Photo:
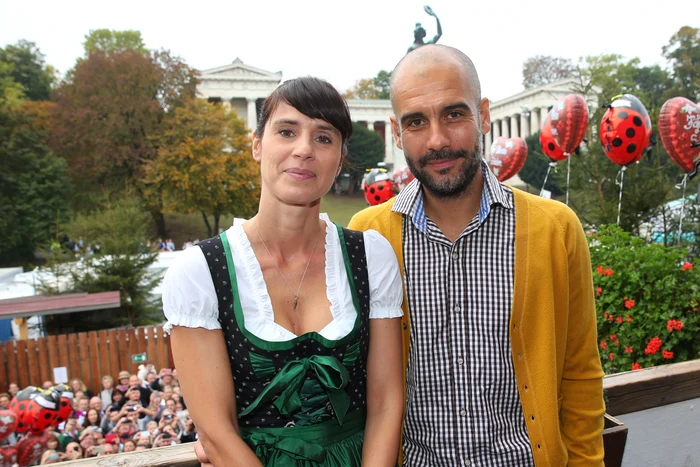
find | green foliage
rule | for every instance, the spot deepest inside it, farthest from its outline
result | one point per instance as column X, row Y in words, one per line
column 365, row 150
column 642, row 293
column 536, row 165
column 371, row 88
column 34, row 188
column 109, row 41
column 122, row 263
column 24, row 63
column 683, row 54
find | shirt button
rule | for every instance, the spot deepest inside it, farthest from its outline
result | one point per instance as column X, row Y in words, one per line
column 457, row 309
column 455, row 256
column 463, row 413
column 467, row 462
column 460, row 360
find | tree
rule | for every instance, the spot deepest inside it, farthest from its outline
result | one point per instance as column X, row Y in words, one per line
column 34, row 188
column 371, row 88
column 544, row 69
column 205, row 164
column 683, row 54
column 28, row 69
column 365, row 150
column 11, row 92
column 647, row 184
column 108, row 120
column 110, row 41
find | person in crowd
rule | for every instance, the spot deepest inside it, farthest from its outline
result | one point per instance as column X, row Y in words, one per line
column 165, row 378
column 129, row 446
column 81, row 409
column 13, row 388
column 96, row 403
column 190, row 433
column 46, row 384
column 125, row 429
column 5, row 399
column 123, row 380
column 51, row 456
column 344, row 299
column 77, row 384
column 92, row 419
column 113, row 412
column 144, row 393
column 70, row 432
column 107, row 388
column 73, row 451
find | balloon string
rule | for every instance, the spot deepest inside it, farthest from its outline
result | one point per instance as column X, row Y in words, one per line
column 551, row 164
column 682, row 185
column 620, row 183
column 568, row 175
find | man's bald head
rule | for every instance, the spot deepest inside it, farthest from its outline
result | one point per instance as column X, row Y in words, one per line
column 430, row 56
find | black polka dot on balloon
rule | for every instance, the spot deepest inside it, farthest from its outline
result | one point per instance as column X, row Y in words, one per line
column 630, row 132
column 64, row 403
column 623, row 115
column 21, row 407
column 637, row 121
column 371, row 190
column 380, row 187
column 617, row 142
column 631, row 148
column 609, row 127
column 47, row 416
column 551, row 146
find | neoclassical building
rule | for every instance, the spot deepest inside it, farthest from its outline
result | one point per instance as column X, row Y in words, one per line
column 244, row 87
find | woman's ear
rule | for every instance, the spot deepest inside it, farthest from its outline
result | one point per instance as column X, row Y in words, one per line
column 257, row 146
column 342, row 161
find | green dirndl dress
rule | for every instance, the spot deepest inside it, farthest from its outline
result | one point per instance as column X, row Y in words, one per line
column 302, row 402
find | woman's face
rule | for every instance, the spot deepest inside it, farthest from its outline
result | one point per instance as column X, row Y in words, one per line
column 75, row 385
column 92, row 416
column 299, row 156
column 124, row 381
column 52, row 443
column 117, row 396
column 107, row 383
column 167, row 392
column 13, row 389
column 129, row 446
column 4, row 402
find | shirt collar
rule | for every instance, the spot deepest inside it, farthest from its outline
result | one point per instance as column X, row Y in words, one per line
column 410, row 200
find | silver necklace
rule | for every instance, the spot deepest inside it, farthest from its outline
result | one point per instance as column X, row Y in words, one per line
column 296, row 295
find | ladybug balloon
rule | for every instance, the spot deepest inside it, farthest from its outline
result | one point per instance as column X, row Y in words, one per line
column 65, row 408
column 550, row 148
column 41, row 411
column 20, row 403
column 569, row 121
column 377, row 187
column 507, row 157
column 679, row 127
column 625, row 130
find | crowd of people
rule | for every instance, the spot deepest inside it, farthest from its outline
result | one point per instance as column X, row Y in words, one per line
column 133, row 412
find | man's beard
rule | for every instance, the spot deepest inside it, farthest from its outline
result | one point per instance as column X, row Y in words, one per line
column 448, row 188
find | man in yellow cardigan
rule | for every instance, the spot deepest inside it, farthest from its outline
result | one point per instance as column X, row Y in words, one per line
column 500, row 345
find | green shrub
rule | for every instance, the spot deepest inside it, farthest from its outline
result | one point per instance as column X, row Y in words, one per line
column 647, row 300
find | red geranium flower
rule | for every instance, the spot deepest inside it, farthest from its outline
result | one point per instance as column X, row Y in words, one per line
column 628, row 349
column 603, row 345
column 613, row 337
column 674, row 325
column 598, row 291
column 619, row 320
column 612, row 357
column 653, row 346
column 600, row 270
column 687, row 266
column 667, row 355
column 609, row 272
column 636, row 366
column 629, row 304
column 629, row 319
column 605, row 314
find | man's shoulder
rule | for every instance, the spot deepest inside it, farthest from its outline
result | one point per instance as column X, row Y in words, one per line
column 374, row 217
column 543, row 208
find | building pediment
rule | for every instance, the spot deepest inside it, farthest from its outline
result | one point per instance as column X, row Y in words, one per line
column 239, row 71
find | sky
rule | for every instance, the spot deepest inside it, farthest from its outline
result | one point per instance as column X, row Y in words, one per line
column 344, row 41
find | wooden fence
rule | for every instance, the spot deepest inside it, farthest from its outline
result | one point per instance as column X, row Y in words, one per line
column 86, row 355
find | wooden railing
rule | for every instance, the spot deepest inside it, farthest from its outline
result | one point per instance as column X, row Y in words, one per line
column 86, row 355
column 627, row 392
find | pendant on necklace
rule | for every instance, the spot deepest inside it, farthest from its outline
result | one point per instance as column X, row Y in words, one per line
column 296, row 298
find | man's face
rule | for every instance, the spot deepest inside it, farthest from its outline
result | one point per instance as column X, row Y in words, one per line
column 134, row 381
column 167, row 378
column 70, row 424
column 13, row 388
column 96, row 403
column 4, row 402
column 439, row 124
column 109, row 449
column 124, row 428
column 83, row 405
column 150, row 377
column 170, row 404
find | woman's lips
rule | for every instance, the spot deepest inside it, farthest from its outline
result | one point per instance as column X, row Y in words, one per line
column 300, row 174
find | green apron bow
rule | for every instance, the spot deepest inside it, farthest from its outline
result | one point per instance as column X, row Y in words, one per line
column 287, row 384
column 296, row 449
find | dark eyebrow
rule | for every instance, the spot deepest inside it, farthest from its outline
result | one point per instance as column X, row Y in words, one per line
column 459, row 106
column 285, row 121
column 320, row 126
column 411, row 116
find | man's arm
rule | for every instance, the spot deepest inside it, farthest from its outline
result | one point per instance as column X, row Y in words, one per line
column 583, row 406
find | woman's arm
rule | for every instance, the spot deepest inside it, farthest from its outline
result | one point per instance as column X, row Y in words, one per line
column 385, row 398
column 205, row 376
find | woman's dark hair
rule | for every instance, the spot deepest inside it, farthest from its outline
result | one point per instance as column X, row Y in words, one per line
column 86, row 422
column 117, row 391
column 315, row 98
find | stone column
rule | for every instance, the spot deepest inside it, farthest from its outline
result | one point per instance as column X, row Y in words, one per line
column 534, row 120
column 525, row 125
column 505, row 130
column 388, row 142
column 514, row 126
column 488, row 140
column 370, row 126
column 495, row 130
column 252, row 114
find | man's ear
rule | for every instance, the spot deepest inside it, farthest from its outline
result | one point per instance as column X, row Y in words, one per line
column 396, row 131
column 257, row 146
column 485, row 112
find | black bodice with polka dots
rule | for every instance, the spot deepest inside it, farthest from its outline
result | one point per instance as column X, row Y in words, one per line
column 303, row 381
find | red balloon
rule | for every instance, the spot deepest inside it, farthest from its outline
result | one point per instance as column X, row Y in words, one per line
column 19, row 405
column 8, row 423
column 402, row 177
column 8, row 456
column 41, row 411
column 550, row 148
column 625, row 130
column 679, row 127
column 30, row 448
column 569, row 121
column 507, row 157
column 377, row 186
column 65, row 408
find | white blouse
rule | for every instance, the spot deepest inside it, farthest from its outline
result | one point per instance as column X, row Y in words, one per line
column 189, row 298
